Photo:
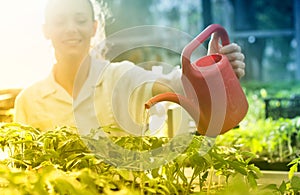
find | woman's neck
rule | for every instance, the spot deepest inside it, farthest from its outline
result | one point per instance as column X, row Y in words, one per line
column 71, row 74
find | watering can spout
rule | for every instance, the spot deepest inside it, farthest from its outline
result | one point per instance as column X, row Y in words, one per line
column 169, row 96
column 182, row 101
column 175, row 98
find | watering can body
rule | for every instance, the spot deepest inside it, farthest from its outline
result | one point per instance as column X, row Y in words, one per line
column 213, row 95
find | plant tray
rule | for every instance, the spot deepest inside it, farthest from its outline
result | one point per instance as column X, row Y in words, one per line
column 282, row 107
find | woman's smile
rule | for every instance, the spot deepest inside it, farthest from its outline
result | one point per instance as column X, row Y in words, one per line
column 72, row 42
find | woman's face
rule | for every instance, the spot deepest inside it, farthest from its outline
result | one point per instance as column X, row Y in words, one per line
column 70, row 25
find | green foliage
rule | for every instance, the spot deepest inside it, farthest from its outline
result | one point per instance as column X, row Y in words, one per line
column 58, row 162
column 256, row 92
column 274, row 140
column 277, row 89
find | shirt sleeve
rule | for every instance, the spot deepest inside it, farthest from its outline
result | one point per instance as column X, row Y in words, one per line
column 172, row 80
column 123, row 90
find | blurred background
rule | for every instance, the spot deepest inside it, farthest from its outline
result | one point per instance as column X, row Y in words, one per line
column 268, row 31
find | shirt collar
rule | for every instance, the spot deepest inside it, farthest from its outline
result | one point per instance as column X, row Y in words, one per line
column 92, row 81
column 99, row 67
column 51, row 87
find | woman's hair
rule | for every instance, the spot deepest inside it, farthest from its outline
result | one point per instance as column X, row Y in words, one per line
column 101, row 14
column 92, row 6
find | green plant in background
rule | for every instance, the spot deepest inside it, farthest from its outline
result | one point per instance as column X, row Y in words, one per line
column 256, row 92
column 274, row 140
column 58, row 162
column 292, row 186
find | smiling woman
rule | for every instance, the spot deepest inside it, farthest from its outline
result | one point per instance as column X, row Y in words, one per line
column 25, row 54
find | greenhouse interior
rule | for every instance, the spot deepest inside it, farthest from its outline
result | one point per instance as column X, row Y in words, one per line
column 150, row 97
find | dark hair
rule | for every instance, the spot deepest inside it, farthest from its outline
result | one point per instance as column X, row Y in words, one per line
column 92, row 8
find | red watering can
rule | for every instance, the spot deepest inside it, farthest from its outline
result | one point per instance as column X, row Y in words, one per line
column 213, row 95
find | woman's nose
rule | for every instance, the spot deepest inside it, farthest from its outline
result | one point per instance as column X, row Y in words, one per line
column 71, row 27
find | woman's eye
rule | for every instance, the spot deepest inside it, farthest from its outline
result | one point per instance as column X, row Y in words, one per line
column 58, row 22
column 81, row 21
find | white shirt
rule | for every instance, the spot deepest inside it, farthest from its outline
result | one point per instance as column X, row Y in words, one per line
column 113, row 95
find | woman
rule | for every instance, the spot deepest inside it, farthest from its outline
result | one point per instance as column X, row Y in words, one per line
column 87, row 92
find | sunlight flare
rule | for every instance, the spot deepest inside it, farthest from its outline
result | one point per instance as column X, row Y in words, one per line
column 25, row 53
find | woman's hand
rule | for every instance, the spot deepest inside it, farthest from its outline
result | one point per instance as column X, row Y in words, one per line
column 233, row 53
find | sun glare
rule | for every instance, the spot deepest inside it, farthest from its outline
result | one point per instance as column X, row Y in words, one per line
column 25, row 54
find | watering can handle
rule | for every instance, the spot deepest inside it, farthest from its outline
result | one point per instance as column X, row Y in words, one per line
column 205, row 34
